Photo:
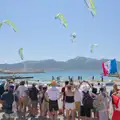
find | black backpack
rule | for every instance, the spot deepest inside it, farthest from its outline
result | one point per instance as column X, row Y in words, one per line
column 33, row 93
column 87, row 100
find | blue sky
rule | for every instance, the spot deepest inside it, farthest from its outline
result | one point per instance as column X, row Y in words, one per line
column 43, row 37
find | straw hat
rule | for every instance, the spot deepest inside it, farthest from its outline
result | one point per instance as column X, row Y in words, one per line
column 53, row 83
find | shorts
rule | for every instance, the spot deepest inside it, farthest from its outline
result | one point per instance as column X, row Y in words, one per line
column 10, row 116
column 85, row 111
column 22, row 100
column 53, row 105
column 77, row 106
column 70, row 106
column 34, row 103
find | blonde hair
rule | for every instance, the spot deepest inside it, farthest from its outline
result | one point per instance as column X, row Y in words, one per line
column 115, row 88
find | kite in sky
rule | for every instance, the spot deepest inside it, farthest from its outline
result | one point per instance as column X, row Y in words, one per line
column 62, row 19
column 21, row 53
column 91, row 6
column 11, row 24
column 93, row 46
column 73, row 37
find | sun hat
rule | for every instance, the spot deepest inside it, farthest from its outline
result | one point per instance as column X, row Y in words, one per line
column 53, row 83
column 85, row 88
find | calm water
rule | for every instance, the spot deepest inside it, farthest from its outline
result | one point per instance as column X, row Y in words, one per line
column 46, row 77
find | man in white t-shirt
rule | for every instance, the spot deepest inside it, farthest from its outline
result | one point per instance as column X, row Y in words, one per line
column 53, row 95
column 22, row 91
column 22, row 95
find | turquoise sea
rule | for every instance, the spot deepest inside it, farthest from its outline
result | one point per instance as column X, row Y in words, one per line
column 47, row 76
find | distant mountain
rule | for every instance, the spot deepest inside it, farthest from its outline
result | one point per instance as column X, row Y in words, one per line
column 78, row 63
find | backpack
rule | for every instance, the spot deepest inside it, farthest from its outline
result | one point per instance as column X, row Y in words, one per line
column 33, row 94
column 87, row 100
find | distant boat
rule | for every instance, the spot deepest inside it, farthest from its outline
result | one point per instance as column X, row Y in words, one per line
column 21, row 72
column 112, row 82
column 109, row 83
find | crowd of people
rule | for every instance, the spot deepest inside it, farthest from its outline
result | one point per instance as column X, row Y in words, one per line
column 81, row 101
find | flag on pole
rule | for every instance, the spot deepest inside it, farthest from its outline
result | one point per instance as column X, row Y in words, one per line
column 109, row 67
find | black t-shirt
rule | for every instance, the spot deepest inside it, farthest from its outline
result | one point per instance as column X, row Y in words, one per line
column 8, row 98
column 33, row 92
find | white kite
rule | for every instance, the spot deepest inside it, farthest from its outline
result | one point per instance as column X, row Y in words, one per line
column 73, row 37
column 93, row 46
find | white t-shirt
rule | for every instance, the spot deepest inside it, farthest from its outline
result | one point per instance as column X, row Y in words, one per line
column 22, row 91
column 53, row 93
column 78, row 96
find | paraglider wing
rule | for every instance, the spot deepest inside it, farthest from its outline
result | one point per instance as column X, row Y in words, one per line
column 87, row 3
column 92, row 47
column 91, row 6
column 11, row 24
column 62, row 19
column 21, row 53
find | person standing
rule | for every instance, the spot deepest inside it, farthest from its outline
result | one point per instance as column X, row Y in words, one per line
column 33, row 95
column 40, row 95
column 86, row 104
column 78, row 78
column 44, row 102
column 114, row 90
column 78, row 100
column 69, row 102
column 93, row 77
column 69, row 78
column 103, row 113
column 63, row 92
column 8, row 99
column 53, row 78
column 102, row 78
column 53, row 95
column 116, row 102
column 22, row 96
